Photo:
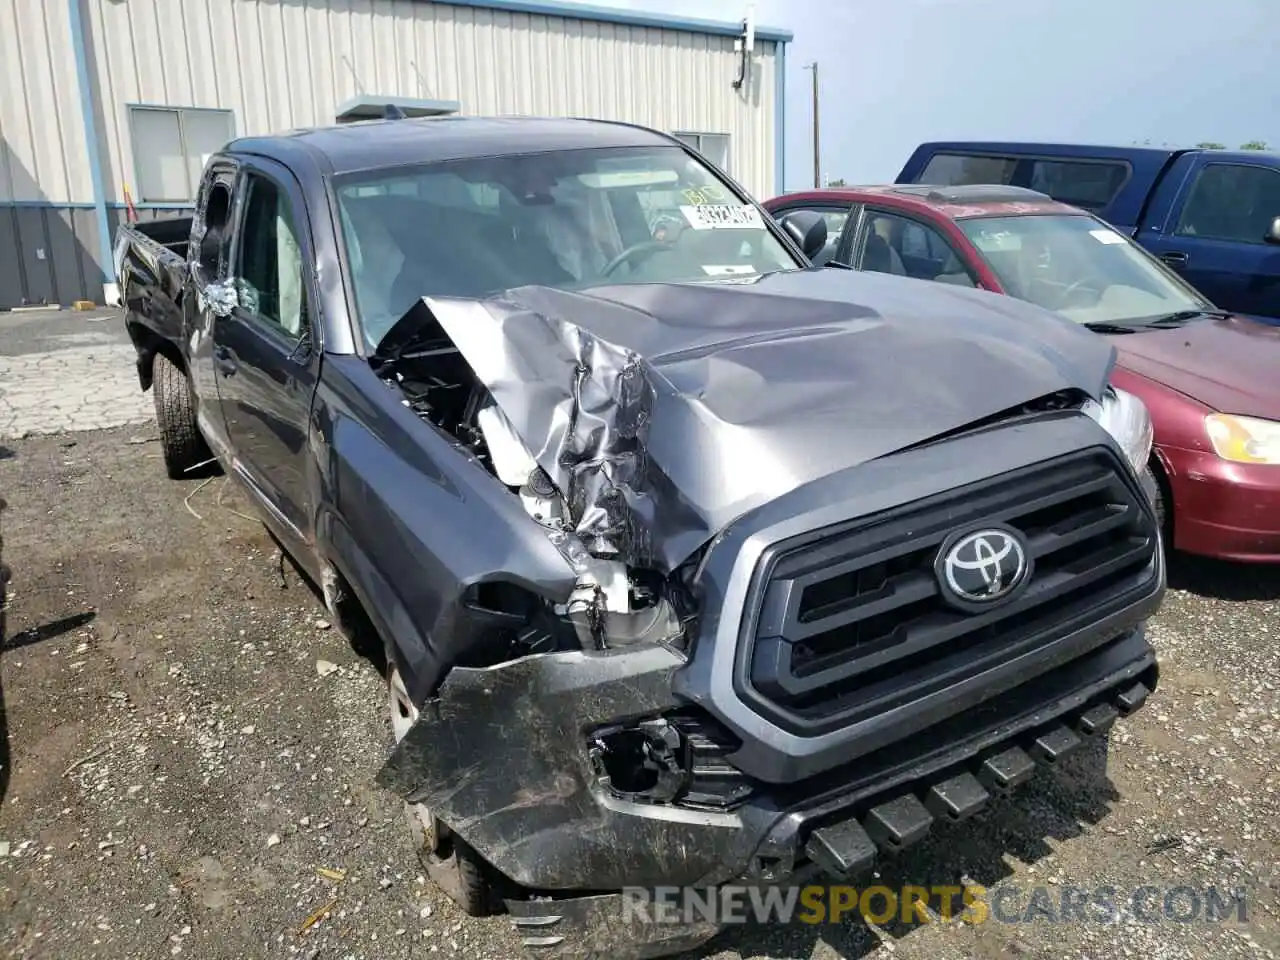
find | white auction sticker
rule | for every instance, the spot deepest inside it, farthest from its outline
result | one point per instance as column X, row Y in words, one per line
column 723, row 216
column 727, row 269
column 1106, row 236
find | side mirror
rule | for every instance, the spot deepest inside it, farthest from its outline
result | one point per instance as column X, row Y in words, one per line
column 808, row 229
column 1273, row 232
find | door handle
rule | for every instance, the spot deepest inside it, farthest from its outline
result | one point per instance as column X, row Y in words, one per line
column 225, row 361
column 1175, row 258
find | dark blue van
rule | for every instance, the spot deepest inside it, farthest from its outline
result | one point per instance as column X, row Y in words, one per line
column 1212, row 215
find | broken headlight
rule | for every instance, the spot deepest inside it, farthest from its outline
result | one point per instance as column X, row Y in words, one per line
column 1125, row 417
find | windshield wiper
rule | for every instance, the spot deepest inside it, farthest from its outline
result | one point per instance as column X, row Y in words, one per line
column 1101, row 326
column 1180, row 317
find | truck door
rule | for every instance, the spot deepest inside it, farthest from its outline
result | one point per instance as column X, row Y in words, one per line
column 264, row 353
column 1214, row 234
column 210, row 259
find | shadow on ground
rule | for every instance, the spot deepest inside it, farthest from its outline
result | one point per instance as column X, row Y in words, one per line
column 1057, row 805
column 1223, row 580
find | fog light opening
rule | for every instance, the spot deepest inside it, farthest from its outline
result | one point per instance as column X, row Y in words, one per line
column 646, row 762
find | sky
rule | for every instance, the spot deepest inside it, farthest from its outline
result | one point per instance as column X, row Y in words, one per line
column 896, row 73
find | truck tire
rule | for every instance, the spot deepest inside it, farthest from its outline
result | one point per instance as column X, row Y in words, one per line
column 180, row 440
column 453, row 866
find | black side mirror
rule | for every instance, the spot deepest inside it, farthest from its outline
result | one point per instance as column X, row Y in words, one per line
column 1273, row 232
column 807, row 229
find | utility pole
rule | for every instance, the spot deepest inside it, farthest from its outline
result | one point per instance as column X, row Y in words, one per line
column 817, row 151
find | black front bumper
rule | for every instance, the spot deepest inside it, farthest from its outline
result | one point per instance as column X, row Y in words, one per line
column 502, row 759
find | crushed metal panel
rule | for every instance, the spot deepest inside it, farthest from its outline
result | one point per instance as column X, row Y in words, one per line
column 664, row 411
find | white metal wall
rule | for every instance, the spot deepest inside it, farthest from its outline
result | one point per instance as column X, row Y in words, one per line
column 43, row 156
column 280, row 64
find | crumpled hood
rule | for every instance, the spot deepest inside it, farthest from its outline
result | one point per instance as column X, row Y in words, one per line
column 1229, row 365
column 664, row 411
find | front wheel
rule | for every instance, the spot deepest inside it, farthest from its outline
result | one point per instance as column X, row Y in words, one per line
column 181, row 443
column 452, row 865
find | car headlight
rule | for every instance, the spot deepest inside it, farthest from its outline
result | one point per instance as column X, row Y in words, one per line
column 1125, row 417
column 1243, row 439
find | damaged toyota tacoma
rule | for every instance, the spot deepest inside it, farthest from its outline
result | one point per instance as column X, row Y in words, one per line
column 693, row 563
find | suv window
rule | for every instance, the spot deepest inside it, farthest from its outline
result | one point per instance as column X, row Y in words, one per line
column 1088, row 184
column 956, row 170
column 1231, row 202
column 909, row 248
column 270, row 262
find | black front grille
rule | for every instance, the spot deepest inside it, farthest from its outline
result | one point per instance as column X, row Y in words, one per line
column 851, row 621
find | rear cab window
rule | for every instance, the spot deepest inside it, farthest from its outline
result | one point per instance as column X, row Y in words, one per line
column 1085, row 183
column 959, row 170
column 1088, row 184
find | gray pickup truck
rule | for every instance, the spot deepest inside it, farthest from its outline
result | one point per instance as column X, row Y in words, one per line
column 693, row 563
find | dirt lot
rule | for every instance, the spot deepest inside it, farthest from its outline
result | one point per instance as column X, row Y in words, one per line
column 175, row 768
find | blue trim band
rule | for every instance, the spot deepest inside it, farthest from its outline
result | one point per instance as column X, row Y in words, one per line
column 49, row 204
column 780, row 120
column 112, row 205
column 92, row 143
column 634, row 18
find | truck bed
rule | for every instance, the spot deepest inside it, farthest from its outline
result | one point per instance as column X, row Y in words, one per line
column 172, row 233
column 152, row 268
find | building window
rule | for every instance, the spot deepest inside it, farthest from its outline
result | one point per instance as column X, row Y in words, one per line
column 171, row 146
column 713, row 146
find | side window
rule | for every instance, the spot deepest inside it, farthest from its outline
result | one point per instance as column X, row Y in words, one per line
column 1231, row 202
column 271, row 259
column 1091, row 185
column 217, row 213
column 836, row 218
column 955, row 170
column 909, row 248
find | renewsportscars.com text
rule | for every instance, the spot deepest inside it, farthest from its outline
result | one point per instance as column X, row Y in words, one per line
column 972, row 904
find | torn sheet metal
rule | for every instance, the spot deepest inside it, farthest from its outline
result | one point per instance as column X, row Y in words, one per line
column 664, row 411
column 223, row 296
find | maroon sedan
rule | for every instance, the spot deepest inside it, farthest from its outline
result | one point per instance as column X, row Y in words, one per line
column 1210, row 380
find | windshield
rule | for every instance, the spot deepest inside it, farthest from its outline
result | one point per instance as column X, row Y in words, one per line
column 569, row 219
column 1080, row 267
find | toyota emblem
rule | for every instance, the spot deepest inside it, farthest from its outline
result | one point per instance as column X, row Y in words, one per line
column 978, row 568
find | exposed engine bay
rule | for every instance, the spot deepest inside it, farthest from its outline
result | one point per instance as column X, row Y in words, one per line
column 612, row 604
column 630, row 425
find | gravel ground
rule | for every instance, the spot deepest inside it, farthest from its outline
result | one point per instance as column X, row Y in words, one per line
column 185, row 745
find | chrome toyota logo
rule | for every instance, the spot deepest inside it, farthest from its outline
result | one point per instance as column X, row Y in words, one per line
column 983, row 566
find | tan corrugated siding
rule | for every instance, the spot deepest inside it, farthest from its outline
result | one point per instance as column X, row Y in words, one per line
column 42, row 146
column 279, row 65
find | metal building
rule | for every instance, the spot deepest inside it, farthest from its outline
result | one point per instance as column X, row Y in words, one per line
column 104, row 103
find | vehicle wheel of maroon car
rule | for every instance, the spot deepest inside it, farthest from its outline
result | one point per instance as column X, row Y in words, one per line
column 180, row 440
column 452, row 865
column 1161, row 505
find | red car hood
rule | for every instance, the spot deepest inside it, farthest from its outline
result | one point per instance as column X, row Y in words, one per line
column 1230, row 365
